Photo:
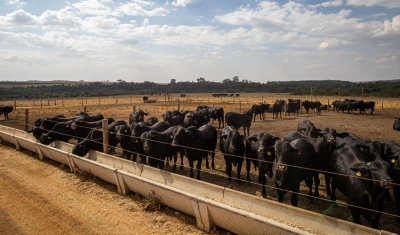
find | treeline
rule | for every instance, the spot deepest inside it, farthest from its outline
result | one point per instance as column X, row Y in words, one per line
column 324, row 87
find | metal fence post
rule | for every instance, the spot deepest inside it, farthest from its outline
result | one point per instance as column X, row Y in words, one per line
column 105, row 135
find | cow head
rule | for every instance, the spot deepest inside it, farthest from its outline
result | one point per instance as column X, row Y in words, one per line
column 284, row 153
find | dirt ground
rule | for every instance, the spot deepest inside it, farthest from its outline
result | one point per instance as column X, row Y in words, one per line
column 77, row 203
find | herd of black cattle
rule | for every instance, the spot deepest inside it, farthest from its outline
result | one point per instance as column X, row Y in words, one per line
column 362, row 170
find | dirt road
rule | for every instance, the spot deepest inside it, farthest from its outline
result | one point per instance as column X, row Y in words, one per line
column 44, row 198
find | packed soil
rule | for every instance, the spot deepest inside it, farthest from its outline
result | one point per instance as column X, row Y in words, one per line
column 43, row 197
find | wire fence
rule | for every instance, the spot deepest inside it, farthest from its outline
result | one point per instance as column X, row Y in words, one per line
column 217, row 152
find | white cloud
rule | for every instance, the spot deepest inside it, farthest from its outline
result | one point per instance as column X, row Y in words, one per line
column 334, row 3
column 16, row 3
column 371, row 3
column 136, row 9
column 145, row 22
column 183, row 3
column 286, row 60
column 358, row 58
column 301, row 18
column 334, row 44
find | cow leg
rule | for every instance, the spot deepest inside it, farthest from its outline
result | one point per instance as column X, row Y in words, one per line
column 280, row 193
column 160, row 164
column 333, row 194
column 191, row 168
column 207, row 164
column 355, row 213
column 238, row 169
column 143, row 159
column 327, row 184
column 295, row 194
column 198, row 168
column 263, row 181
column 134, row 157
column 182, row 153
column 316, row 182
column 396, row 192
column 212, row 160
column 248, row 164
column 175, row 159
column 228, row 169
column 244, row 130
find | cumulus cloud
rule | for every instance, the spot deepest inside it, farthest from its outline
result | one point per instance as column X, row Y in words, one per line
column 358, row 58
column 16, row 3
column 334, row 3
column 183, row 3
column 334, row 44
column 371, row 3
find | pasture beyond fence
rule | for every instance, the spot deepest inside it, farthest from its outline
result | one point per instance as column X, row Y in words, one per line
column 209, row 204
column 249, row 98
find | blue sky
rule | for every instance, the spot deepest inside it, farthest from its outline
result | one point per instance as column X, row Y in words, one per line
column 140, row 40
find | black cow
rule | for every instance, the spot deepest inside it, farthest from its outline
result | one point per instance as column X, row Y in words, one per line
column 291, row 164
column 62, row 131
column 324, row 144
column 336, row 105
column 363, row 182
column 396, row 124
column 145, row 98
column 350, row 105
column 6, row 110
column 152, row 120
column 260, row 150
column 196, row 118
column 183, row 95
column 293, row 106
column 124, row 137
column 240, row 120
column 232, row 146
column 137, row 116
column 277, row 108
column 322, row 107
column 199, row 142
column 94, row 141
column 369, row 105
column 352, row 140
column 308, row 128
column 37, row 131
column 137, row 129
column 172, row 119
column 311, row 105
column 82, row 128
column 157, row 146
column 214, row 113
column 259, row 109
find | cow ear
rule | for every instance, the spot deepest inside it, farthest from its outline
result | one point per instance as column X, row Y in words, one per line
column 252, row 140
column 145, row 114
column 270, row 151
column 302, row 130
column 295, row 151
column 359, row 168
column 242, row 137
column 276, row 139
column 320, row 135
column 392, row 159
column 362, row 147
column 342, row 135
column 188, row 133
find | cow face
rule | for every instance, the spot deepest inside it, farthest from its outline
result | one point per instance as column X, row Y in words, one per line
column 179, row 136
column 80, row 150
column 229, row 138
column 45, row 139
column 379, row 172
column 284, row 153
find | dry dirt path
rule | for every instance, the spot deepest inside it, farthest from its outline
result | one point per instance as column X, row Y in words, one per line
column 44, row 198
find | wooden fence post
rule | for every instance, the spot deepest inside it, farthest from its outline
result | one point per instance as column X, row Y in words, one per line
column 62, row 101
column 179, row 106
column 240, row 106
column 84, row 109
column 15, row 104
column 105, row 135
column 134, row 108
column 382, row 103
column 328, row 105
column 99, row 101
column 26, row 120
